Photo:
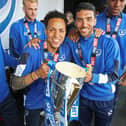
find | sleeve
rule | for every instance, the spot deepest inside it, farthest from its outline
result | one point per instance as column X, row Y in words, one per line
column 14, row 40
column 25, row 65
column 112, row 64
column 8, row 60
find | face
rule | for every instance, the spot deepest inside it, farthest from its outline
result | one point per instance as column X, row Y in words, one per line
column 56, row 30
column 30, row 10
column 116, row 6
column 85, row 22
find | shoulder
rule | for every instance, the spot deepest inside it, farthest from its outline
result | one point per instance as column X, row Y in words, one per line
column 109, row 42
column 31, row 51
column 29, row 54
column 101, row 15
column 40, row 24
column 123, row 15
column 68, row 41
column 16, row 24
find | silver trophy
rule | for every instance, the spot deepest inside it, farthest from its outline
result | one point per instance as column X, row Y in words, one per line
column 66, row 82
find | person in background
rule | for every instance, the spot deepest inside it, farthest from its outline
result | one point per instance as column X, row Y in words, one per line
column 22, row 31
column 33, row 69
column 102, row 55
column 113, row 22
column 8, row 108
column 70, row 21
column 26, row 29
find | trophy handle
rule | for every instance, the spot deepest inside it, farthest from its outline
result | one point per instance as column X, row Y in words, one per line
column 73, row 96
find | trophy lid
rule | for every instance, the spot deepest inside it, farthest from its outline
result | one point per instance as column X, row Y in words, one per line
column 71, row 69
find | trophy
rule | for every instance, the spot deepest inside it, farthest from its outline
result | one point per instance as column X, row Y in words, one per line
column 66, row 82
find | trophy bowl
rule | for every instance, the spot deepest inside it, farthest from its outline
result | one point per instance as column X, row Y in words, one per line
column 66, row 81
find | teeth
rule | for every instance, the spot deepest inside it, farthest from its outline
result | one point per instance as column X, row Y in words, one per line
column 56, row 40
column 83, row 29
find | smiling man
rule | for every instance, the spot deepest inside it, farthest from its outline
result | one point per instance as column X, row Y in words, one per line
column 101, row 56
column 32, row 70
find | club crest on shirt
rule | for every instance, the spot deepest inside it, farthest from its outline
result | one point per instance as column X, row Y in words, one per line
column 98, row 52
column 62, row 58
column 39, row 33
column 122, row 32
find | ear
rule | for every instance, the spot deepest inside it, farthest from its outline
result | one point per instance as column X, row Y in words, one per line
column 95, row 21
column 45, row 31
column 23, row 9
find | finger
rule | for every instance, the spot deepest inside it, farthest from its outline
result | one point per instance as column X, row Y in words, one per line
column 37, row 46
column 34, row 46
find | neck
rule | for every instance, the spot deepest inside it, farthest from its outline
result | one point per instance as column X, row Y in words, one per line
column 111, row 14
column 51, row 49
column 29, row 19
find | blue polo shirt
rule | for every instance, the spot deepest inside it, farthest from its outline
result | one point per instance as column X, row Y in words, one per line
column 19, row 36
column 107, row 56
column 30, row 61
column 121, row 35
column 5, row 60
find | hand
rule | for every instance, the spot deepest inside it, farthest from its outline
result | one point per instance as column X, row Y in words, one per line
column 34, row 42
column 88, row 76
column 122, row 80
column 98, row 32
column 74, row 35
column 42, row 72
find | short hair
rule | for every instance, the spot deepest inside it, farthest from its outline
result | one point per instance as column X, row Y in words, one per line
column 54, row 14
column 85, row 6
column 69, row 14
column 32, row 1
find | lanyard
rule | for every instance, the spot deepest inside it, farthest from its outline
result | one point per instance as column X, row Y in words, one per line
column 28, row 29
column 93, row 55
column 56, row 55
column 108, row 27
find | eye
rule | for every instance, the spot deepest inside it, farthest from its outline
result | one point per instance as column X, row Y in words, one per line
column 62, row 30
column 79, row 19
column 89, row 19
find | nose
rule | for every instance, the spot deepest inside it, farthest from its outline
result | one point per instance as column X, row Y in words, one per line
column 117, row 3
column 56, row 34
column 84, row 22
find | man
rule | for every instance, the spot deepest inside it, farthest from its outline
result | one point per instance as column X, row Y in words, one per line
column 102, row 53
column 26, row 29
column 33, row 70
column 113, row 22
column 8, row 108
column 21, row 32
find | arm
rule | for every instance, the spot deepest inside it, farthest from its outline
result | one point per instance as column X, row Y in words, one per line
column 14, row 36
column 111, row 65
column 28, row 71
column 24, row 81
